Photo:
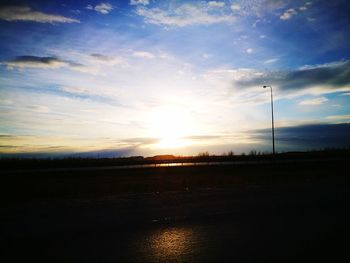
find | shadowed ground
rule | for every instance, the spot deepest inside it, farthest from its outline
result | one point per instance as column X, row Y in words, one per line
column 284, row 212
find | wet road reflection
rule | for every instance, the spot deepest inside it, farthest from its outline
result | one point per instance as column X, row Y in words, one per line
column 172, row 244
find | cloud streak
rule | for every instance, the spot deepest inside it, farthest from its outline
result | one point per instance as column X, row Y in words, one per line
column 308, row 137
column 25, row 13
column 143, row 54
column 216, row 4
column 40, row 62
column 102, row 8
column 293, row 138
column 139, row 2
column 270, row 61
column 314, row 102
column 331, row 76
column 288, row 14
column 104, row 59
column 184, row 15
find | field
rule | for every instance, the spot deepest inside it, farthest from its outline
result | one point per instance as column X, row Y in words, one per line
column 293, row 211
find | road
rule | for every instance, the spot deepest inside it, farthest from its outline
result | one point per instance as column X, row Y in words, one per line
column 302, row 217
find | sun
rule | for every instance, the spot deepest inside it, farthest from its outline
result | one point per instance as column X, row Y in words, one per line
column 171, row 125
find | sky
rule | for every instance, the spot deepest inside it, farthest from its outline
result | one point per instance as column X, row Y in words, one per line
column 146, row 77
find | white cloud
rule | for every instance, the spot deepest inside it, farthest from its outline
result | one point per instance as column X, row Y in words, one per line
column 258, row 8
column 294, row 11
column 75, row 90
column 270, row 61
column 38, row 108
column 314, row 102
column 104, row 59
column 249, row 50
column 288, row 14
column 89, row 90
column 184, row 15
column 235, row 7
column 216, row 4
column 102, row 8
column 206, row 56
column 6, row 102
column 139, row 2
column 25, row 13
column 143, row 54
column 338, row 117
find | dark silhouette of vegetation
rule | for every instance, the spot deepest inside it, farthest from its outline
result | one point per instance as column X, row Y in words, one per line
column 203, row 154
column 203, row 157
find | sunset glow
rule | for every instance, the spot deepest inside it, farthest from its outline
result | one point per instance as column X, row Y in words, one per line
column 171, row 125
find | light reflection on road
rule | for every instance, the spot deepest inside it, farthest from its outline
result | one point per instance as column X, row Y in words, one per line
column 170, row 244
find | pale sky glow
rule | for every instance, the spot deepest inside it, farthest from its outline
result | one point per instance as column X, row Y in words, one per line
column 178, row 77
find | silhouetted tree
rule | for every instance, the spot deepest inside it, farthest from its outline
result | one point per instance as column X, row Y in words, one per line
column 203, row 154
column 230, row 153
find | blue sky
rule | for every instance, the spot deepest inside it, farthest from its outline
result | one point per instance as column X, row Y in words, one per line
column 151, row 77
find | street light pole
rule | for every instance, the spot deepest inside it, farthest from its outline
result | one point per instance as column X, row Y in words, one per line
column 272, row 121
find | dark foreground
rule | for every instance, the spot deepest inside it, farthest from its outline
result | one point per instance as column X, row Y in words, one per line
column 286, row 212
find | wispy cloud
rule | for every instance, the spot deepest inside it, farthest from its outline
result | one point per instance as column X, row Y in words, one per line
column 302, row 137
column 34, row 62
column 288, row 14
column 206, row 55
column 258, row 8
column 235, row 7
column 104, row 59
column 143, row 54
column 38, row 108
column 5, row 102
column 75, row 90
column 216, row 4
column 184, row 15
column 338, row 117
column 25, row 13
column 102, row 8
column 270, row 61
column 139, row 2
column 307, row 137
column 313, row 102
column 40, row 62
column 330, row 76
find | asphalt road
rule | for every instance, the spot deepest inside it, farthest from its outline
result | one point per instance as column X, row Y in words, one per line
column 287, row 224
column 266, row 220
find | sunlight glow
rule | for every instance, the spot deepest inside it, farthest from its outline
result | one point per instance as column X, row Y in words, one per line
column 171, row 125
